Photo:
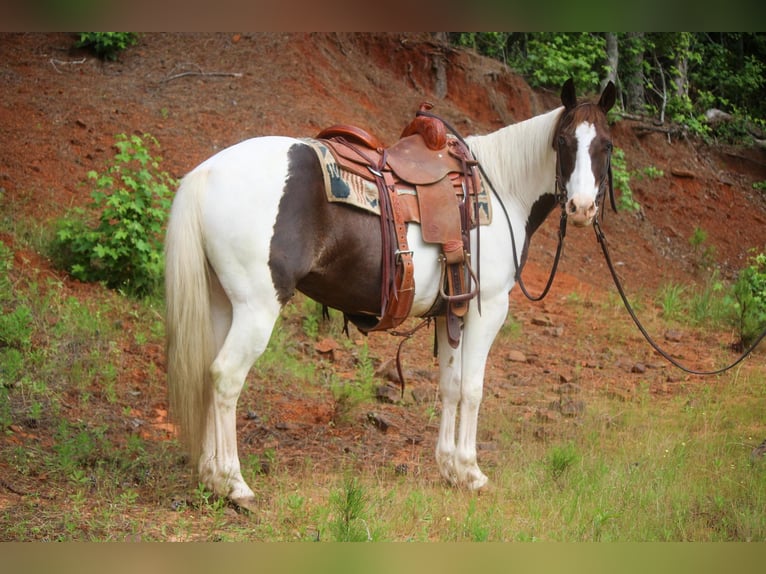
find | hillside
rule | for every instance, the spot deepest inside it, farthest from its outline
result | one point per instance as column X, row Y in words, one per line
column 199, row 93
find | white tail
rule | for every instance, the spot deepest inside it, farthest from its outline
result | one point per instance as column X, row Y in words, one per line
column 188, row 325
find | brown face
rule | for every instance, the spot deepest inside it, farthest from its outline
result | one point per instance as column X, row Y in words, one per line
column 584, row 147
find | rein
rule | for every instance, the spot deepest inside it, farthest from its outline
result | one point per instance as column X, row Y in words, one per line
column 561, row 196
column 602, row 241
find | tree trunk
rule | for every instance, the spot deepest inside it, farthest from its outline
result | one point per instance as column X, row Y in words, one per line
column 439, row 65
column 633, row 83
column 612, row 59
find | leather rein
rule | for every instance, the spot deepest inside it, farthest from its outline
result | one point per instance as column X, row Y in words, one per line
column 561, row 198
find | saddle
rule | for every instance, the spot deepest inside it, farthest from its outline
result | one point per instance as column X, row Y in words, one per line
column 427, row 177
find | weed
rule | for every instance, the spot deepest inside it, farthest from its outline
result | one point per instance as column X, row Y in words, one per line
column 107, row 45
column 750, row 294
column 349, row 513
column 621, row 181
column 561, row 458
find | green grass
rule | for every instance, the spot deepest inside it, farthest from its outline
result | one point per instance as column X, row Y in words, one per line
column 638, row 466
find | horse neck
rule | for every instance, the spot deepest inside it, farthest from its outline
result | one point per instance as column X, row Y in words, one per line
column 519, row 159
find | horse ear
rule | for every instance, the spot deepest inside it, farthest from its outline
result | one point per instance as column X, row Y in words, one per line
column 607, row 97
column 568, row 96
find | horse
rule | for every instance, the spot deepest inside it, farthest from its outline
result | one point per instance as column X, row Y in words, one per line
column 251, row 225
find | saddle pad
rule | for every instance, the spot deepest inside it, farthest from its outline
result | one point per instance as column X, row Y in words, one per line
column 341, row 186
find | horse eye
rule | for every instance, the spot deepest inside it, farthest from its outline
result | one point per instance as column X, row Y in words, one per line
column 562, row 141
column 608, row 146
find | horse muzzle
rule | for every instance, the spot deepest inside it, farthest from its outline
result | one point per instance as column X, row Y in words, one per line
column 581, row 214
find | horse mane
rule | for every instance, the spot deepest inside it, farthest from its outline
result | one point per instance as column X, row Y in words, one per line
column 519, row 159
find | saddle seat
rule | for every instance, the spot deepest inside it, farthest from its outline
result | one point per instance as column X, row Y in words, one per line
column 426, row 177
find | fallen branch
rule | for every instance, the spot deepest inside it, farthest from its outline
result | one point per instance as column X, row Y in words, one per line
column 54, row 61
column 204, row 74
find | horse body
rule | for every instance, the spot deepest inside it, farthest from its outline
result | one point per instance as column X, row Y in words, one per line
column 251, row 225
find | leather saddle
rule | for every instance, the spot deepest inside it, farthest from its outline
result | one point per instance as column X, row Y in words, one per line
column 429, row 178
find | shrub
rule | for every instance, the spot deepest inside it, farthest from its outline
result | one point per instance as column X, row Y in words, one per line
column 107, row 45
column 750, row 292
column 118, row 239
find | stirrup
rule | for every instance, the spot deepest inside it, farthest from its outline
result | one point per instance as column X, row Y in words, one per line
column 462, row 296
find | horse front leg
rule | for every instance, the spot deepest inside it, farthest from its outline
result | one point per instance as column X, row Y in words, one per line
column 479, row 333
column 449, row 391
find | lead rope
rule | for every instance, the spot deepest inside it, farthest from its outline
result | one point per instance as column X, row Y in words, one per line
column 602, row 241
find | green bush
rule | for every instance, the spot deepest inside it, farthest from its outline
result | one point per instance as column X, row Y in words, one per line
column 750, row 292
column 107, row 45
column 118, row 239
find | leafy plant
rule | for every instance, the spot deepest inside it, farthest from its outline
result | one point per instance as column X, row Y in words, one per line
column 621, row 181
column 131, row 200
column 107, row 45
column 750, row 292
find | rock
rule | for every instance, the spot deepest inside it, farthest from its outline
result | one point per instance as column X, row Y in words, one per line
column 638, row 368
column 517, row 356
column 422, row 395
column 388, row 394
column 554, row 331
column 673, row 335
column 379, row 421
column 542, row 321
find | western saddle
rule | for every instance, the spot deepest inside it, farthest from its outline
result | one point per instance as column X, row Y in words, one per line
column 428, row 177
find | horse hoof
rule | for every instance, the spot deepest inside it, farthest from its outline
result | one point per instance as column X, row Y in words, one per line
column 245, row 503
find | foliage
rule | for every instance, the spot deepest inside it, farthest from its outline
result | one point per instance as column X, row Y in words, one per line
column 131, row 199
column 680, row 75
column 750, row 292
column 621, row 181
column 549, row 59
column 107, row 45
column 15, row 318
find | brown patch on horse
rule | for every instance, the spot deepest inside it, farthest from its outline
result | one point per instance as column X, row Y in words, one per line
column 318, row 247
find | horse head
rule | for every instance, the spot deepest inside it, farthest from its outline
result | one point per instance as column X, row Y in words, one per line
column 583, row 147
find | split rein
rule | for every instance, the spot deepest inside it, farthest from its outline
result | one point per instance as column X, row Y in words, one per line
column 561, row 195
column 602, row 241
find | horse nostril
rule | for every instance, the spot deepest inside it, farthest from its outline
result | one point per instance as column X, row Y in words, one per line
column 571, row 207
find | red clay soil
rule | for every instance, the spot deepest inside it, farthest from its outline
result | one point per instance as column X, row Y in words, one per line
column 199, row 93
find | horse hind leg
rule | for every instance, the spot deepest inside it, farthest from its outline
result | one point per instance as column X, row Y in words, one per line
column 242, row 331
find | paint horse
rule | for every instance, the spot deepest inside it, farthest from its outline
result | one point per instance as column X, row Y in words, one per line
column 251, row 225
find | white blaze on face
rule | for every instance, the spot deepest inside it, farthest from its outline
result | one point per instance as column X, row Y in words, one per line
column 582, row 184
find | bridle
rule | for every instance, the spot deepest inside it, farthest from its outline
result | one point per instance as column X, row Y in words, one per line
column 560, row 194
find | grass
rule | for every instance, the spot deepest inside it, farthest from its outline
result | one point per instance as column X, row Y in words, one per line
column 638, row 467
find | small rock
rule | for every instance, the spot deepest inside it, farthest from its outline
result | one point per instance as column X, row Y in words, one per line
column 554, row 331
column 673, row 335
column 758, row 452
column 422, row 395
column 567, row 388
column 517, row 356
column 638, row 368
column 379, row 421
column 388, row 394
column 542, row 321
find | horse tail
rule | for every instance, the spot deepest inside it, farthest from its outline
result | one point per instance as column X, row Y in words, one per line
column 189, row 336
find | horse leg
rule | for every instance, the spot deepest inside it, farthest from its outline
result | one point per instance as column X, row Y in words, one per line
column 449, row 391
column 242, row 330
column 464, row 378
